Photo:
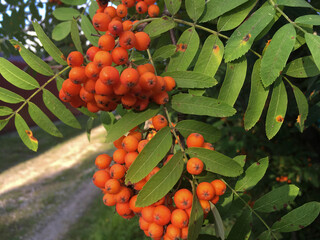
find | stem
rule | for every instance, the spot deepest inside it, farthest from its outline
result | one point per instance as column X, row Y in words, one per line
column 151, row 60
column 36, row 92
column 143, row 21
column 253, row 211
column 286, row 16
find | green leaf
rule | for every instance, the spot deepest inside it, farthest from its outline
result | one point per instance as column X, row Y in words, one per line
column 300, row 40
column 216, row 162
column 196, row 92
column 294, row 3
column 252, row 175
column 129, row 121
column 16, row 76
column 89, row 127
column 155, row 150
column 32, row 60
column 190, row 79
column 48, row 45
column 162, row 182
column 188, row 45
column 303, row 106
column 88, row 29
column 3, row 123
column 75, row 36
column 196, row 218
column 235, row 17
column 74, row 2
column 173, row 6
column 42, row 120
column 93, row 8
column 210, row 133
column 5, row 111
column 303, row 67
column 159, row 26
column 61, row 31
column 313, row 42
column 195, row 8
column 257, row 98
column 199, row 105
column 241, row 160
column 164, row 52
column 210, row 56
column 107, row 119
column 23, row 130
column 65, row 14
column 298, row 218
column 216, row 8
column 10, row 97
column 277, row 54
column 309, row 19
column 266, row 235
column 277, row 108
column 233, row 81
column 242, row 228
column 276, row 199
column 59, row 109
column 219, row 228
column 59, row 82
column 243, row 37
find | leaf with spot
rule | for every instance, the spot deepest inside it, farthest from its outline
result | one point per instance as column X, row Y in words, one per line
column 233, row 81
column 294, row 3
column 164, row 52
column 32, row 60
column 303, row 106
column 61, row 31
column 129, row 121
column 196, row 218
column 252, row 175
column 10, row 97
column 257, row 98
column 162, row 182
column 276, row 199
column 309, row 19
column 210, row 56
column 215, row 8
column 277, row 108
column 243, row 37
column 48, row 45
column 235, row 17
column 173, row 5
column 241, row 159
column 209, row 133
column 216, row 162
column 42, row 120
column 25, row 133
column 195, row 8
column 298, row 218
column 191, row 79
column 88, row 29
column 242, row 228
column 59, row 109
column 75, row 36
column 65, row 14
column 187, row 45
column 159, row 26
column 16, row 76
column 303, row 67
column 277, row 54
column 5, row 111
column 155, row 150
column 218, row 226
column 199, row 105
column 313, row 42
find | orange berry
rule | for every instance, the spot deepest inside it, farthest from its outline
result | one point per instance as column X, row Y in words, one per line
column 120, row 89
column 155, row 230
column 170, row 83
column 130, row 143
column 77, row 75
column 141, row 7
column 159, row 121
column 129, row 77
column 109, row 75
column 179, row 218
column 118, row 143
column 208, row 146
column 102, row 59
column 153, row 10
column 195, row 140
column 141, row 105
column 109, row 199
column 119, row 56
column 184, row 233
column 139, row 185
column 150, row 67
column 92, row 107
column 115, row 27
column 127, row 25
column 89, row 85
column 75, row 59
column 106, row 42
column 161, row 215
column 142, row 144
column 123, row 209
column 128, row 3
column 161, row 98
column 70, row 88
column 153, row 172
column 119, row 156
column 132, row 204
column 91, row 52
column 128, row 100
column 127, row 39
column 103, row 89
column 194, row 166
column 100, row 177
column 142, row 41
column 129, row 158
column 142, row 69
column 215, row 199
column 117, row 171
column 149, row 2
column 122, row 10
column 111, row 11
column 101, row 21
column 205, row 206
column 144, row 225
column 148, row 80
column 136, row 134
column 219, row 187
column 63, row 96
column 160, row 85
column 183, row 198
column 103, row 161
column 147, row 213
column 173, row 232
column 205, row 191
column 112, row 186
column 159, row 202
column 92, row 70
column 123, row 195
column 168, row 159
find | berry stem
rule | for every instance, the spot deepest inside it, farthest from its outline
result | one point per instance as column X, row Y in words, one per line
column 36, row 92
column 151, row 61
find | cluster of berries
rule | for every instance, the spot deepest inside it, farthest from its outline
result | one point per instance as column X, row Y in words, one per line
column 99, row 85
column 169, row 217
column 283, row 179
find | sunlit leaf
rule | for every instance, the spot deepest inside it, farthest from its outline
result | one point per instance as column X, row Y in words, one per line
column 65, row 14
column 9, row 97
column 195, row 8
column 61, row 31
column 159, row 26
column 5, row 111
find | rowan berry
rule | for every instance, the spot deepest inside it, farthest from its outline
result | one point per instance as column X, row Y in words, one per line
column 161, row 215
column 142, row 41
column 102, row 59
column 179, row 218
column 148, row 81
column 127, row 25
column 63, row 96
column 103, row 161
column 159, row 121
column 173, row 232
column 70, row 88
column 109, row 75
column 111, row 11
column 106, row 42
column 120, row 89
column 195, row 140
column 103, row 89
column 161, row 98
column 100, row 177
column 123, row 209
column 141, row 7
column 132, row 204
column 128, row 3
column 194, row 166
column 122, row 10
column 119, row 56
column 129, row 77
column 183, row 198
column 101, row 21
column 115, row 27
column 119, row 156
column 170, row 83
column 205, row 191
column 117, row 171
column 153, row 10
column 219, row 187
column 92, row 70
column 109, row 199
column 155, row 230
column 130, row 144
column 118, row 143
column 89, row 85
column 75, row 59
column 92, row 107
column 147, row 213
column 127, row 39
column 123, row 195
column 112, row 186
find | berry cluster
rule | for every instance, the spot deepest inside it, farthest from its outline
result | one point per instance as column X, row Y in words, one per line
column 169, row 217
column 99, row 85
